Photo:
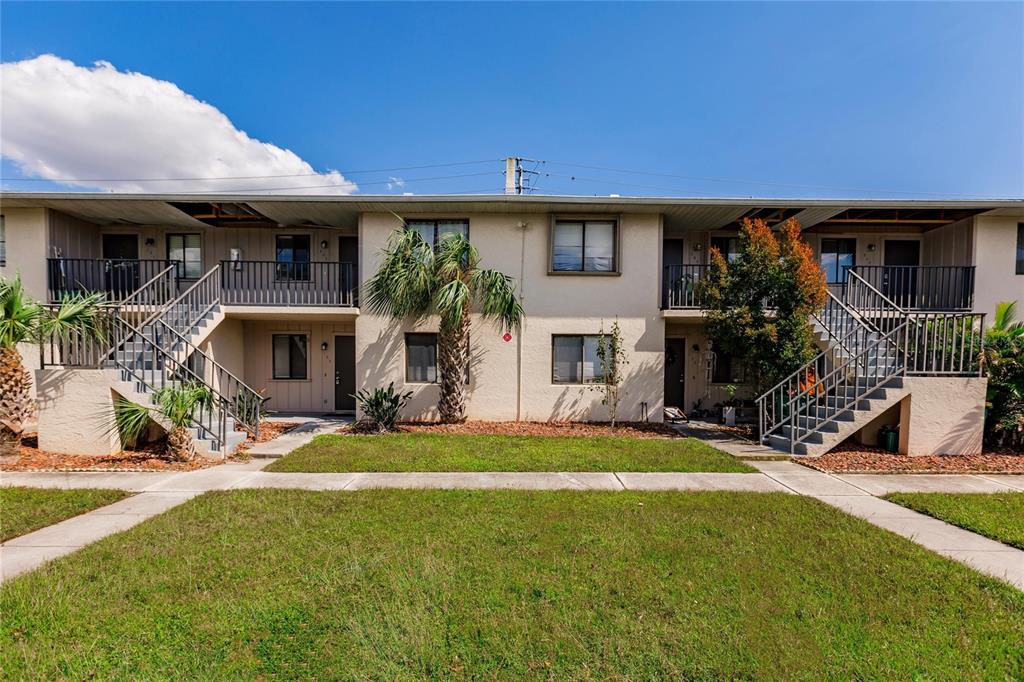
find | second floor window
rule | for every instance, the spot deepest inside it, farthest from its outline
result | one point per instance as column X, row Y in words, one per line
column 837, row 257
column 3, row 242
column 574, row 360
column 292, row 255
column 583, row 246
column 729, row 247
column 186, row 251
column 434, row 231
column 1020, row 249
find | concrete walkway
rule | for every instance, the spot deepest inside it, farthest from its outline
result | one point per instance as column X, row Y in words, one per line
column 854, row 494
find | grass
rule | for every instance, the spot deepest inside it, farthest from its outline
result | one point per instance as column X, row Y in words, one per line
column 447, row 452
column 999, row 516
column 261, row 584
column 23, row 510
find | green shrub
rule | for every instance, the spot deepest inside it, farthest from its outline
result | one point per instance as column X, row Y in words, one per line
column 381, row 407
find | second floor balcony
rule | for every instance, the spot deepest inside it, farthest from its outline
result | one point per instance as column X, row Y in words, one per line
column 240, row 282
column 916, row 288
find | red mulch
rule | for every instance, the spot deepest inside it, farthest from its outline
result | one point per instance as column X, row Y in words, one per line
column 858, row 459
column 268, row 431
column 485, row 428
column 151, row 458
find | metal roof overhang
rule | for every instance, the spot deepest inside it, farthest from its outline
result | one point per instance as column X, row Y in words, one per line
column 681, row 214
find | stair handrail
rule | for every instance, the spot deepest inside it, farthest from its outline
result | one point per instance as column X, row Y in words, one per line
column 886, row 306
column 201, row 284
column 144, row 289
column 217, row 432
column 802, row 375
column 837, row 376
column 247, row 409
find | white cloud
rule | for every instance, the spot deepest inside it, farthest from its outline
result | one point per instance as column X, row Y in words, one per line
column 395, row 181
column 60, row 120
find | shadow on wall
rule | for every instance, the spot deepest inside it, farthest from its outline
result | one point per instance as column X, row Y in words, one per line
column 642, row 384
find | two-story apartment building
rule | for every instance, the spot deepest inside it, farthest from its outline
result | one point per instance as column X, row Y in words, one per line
column 261, row 293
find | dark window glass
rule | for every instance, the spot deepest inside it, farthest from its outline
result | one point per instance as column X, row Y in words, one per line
column 187, row 253
column 574, row 360
column 292, row 256
column 434, row 232
column 728, row 370
column 421, row 358
column 729, row 247
column 3, row 242
column 290, row 356
column 1020, row 249
column 837, row 257
column 583, row 246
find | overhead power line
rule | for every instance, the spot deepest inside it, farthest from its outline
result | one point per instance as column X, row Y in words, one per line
column 339, row 184
column 256, row 177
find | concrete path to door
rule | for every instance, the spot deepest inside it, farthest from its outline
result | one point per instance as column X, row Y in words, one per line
column 854, row 494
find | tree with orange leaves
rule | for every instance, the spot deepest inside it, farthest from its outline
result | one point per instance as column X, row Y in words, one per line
column 758, row 307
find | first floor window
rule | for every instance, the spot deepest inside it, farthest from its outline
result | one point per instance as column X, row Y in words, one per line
column 728, row 369
column 292, row 255
column 3, row 242
column 421, row 358
column 583, row 246
column 574, row 360
column 1020, row 249
column 186, row 251
column 290, row 356
column 434, row 232
column 837, row 257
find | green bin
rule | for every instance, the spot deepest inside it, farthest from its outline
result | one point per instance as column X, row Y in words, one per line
column 889, row 438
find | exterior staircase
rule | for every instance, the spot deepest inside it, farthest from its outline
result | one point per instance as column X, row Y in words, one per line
column 868, row 346
column 163, row 351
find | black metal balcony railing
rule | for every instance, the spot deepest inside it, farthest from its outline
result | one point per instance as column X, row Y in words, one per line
column 923, row 287
column 680, row 286
column 269, row 283
column 116, row 278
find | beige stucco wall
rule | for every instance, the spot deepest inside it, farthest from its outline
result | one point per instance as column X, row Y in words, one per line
column 510, row 380
column 76, row 409
column 943, row 416
column 26, row 247
column 995, row 243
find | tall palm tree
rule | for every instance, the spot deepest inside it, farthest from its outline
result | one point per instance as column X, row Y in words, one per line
column 416, row 280
column 24, row 320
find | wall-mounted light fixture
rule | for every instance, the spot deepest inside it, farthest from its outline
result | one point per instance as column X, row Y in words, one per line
column 698, row 246
column 324, row 346
column 323, row 245
column 871, row 248
column 696, row 348
column 150, row 241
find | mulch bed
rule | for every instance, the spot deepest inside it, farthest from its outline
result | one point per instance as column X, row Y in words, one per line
column 858, row 459
column 268, row 431
column 485, row 428
column 151, row 458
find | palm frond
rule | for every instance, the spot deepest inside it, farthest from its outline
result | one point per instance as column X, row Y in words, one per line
column 403, row 283
column 455, row 256
column 496, row 293
column 179, row 404
column 450, row 301
column 1005, row 318
column 130, row 421
column 76, row 314
column 19, row 313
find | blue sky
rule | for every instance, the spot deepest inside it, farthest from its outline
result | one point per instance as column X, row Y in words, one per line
column 821, row 99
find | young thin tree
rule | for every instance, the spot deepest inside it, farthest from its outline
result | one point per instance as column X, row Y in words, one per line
column 611, row 353
column 24, row 320
column 758, row 307
column 416, row 280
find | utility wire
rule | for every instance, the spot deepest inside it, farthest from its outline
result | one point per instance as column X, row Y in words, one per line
column 254, row 177
column 329, row 185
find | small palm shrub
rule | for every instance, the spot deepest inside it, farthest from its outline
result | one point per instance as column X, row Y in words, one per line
column 381, row 407
column 177, row 405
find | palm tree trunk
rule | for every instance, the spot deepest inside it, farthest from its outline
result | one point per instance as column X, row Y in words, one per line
column 452, row 366
column 16, row 404
column 180, row 444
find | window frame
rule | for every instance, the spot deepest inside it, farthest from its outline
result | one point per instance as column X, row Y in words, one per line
column 3, row 241
column 409, row 380
column 307, row 271
column 583, row 356
column 1019, row 269
column 273, row 357
column 821, row 254
column 436, row 221
column 183, row 270
column 616, row 222
column 727, row 238
column 733, row 360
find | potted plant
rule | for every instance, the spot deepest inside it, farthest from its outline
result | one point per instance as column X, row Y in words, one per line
column 729, row 406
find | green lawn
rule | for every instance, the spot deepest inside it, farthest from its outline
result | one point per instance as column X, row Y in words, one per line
column 271, row 584
column 999, row 516
column 446, row 452
column 23, row 510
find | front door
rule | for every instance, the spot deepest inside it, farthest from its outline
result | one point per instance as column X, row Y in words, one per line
column 121, row 277
column 344, row 373
column 675, row 372
column 902, row 256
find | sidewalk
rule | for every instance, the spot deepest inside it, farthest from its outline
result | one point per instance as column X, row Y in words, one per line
column 855, row 494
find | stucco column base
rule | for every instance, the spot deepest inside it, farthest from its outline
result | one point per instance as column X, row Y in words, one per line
column 943, row 416
column 76, row 408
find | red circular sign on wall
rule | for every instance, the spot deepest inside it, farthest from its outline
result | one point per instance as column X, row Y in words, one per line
column 506, row 337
